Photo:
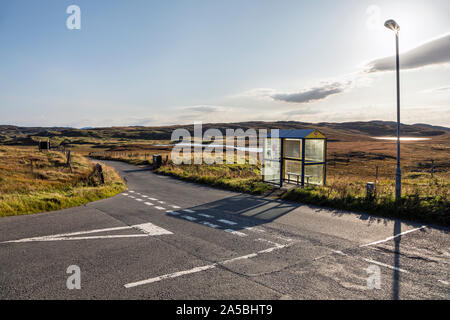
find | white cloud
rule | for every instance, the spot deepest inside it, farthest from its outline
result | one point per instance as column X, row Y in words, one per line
column 312, row 94
column 434, row 52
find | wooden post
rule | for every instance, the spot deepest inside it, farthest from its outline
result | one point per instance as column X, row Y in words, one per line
column 99, row 169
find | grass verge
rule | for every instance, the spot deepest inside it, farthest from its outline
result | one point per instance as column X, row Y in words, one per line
column 235, row 177
column 48, row 185
column 433, row 210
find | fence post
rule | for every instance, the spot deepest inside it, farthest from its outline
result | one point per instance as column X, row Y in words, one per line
column 432, row 168
column 69, row 162
column 376, row 179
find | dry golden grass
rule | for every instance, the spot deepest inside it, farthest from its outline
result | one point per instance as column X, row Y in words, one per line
column 49, row 185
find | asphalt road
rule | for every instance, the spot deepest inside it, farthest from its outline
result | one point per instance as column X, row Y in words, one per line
column 168, row 239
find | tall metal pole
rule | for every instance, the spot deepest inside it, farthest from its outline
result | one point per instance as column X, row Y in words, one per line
column 398, row 171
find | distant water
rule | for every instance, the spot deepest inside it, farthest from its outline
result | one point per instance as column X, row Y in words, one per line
column 248, row 149
column 402, row 138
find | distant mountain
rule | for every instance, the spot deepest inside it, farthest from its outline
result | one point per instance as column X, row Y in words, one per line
column 334, row 131
column 430, row 126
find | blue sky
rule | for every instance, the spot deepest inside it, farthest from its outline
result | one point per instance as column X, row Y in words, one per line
column 146, row 62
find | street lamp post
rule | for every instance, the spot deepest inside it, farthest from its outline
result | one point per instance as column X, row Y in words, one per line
column 391, row 24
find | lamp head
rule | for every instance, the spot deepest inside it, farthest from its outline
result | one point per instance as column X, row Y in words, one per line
column 391, row 24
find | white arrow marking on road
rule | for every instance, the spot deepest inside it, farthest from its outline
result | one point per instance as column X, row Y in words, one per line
column 151, row 229
column 148, row 228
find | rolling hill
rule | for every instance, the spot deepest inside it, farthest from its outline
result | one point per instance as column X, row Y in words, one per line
column 15, row 135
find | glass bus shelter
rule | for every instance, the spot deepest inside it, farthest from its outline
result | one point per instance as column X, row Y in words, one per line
column 295, row 156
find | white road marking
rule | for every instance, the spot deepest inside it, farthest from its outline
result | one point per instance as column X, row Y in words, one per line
column 199, row 269
column 339, row 252
column 132, row 197
column 444, row 282
column 255, row 229
column 75, row 233
column 94, row 237
column 188, row 211
column 144, row 196
column 131, row 191
column 148, row 203
column 205, row 215
column 385, row 265
column 268, row 241
column 248, row 256
column 139, row 200
column 240, row 234
column 162, row 202
column 174, row 206
column 153, row 199
column 169, row 276
column 189, row 218
column 392, row 237
column 151, row 229
column 274, row 248
column 148, row 228
column 160, row 208
column 208, row 224
column 284, row 238
column 227, row 222
column 125, row 194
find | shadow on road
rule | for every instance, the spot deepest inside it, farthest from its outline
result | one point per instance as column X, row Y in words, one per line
column 245, row 208
column 396, row 277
